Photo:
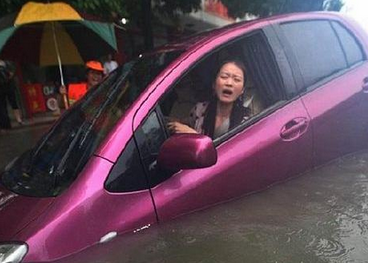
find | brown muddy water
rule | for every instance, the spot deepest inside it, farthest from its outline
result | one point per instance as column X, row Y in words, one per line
column 321, row 216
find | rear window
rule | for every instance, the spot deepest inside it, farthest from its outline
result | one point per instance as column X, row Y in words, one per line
column 316, row 48
column 350, row 45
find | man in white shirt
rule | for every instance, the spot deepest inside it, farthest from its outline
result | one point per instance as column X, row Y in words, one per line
column 109, row 65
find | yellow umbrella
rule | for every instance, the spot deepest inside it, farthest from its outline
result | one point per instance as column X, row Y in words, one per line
column 68, row 52
column 33, row 12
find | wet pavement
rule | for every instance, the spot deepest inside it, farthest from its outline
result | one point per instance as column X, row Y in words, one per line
column 321, row 216
column 19, row 139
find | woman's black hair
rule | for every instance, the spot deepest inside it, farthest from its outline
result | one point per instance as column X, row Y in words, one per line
column 237, row 113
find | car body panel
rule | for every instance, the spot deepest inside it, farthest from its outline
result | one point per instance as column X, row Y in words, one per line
column 83, row 214
column 248, row 162
column 20, row 210
column 339, row 122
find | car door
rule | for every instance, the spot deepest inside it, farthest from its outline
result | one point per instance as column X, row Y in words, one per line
column 270, row 147
column 332, row 70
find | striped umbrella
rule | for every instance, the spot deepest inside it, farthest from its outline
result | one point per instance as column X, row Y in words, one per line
column 48, row 34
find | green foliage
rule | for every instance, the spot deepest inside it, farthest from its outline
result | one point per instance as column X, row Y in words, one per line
column 110, row 9
column 238, row 8
column 107, row 9
column 334, row 5
column 113, row 9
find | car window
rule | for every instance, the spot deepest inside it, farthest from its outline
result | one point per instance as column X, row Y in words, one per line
column 351, row 46
column 127, row 174
column 136, row 168
column 150, row 136
column 316, row 48
column 190, row 97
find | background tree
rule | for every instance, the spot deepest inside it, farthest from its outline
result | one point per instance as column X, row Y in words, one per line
column 143, row 13
column 140, row 13
column 238, row 8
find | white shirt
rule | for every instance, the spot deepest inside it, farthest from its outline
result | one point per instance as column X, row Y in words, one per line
column 110, row 66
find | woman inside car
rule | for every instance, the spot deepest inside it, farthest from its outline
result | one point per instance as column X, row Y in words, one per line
column 224, row 110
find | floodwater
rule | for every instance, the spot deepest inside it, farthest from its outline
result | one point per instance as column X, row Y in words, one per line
column 321, row 216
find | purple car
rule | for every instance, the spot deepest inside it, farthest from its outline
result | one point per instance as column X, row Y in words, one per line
column 110, row 165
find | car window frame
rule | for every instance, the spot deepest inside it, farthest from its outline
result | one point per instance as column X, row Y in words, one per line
column 302, row 89
column 284, row 70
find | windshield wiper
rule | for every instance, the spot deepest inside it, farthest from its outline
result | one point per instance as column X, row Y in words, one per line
column 60, row 167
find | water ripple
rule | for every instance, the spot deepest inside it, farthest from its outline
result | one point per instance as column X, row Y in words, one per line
column 328, row 248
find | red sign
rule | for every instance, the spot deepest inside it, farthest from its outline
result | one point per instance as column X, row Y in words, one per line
column 34, row 98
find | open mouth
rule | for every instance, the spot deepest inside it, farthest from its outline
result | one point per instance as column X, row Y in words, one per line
column 227, row 92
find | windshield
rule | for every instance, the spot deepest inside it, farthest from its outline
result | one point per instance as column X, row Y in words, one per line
column 56, row 160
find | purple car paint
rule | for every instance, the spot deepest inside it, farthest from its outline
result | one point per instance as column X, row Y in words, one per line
column 17, row 208
column 109, row 166
column 85, row 208
column 187, row 151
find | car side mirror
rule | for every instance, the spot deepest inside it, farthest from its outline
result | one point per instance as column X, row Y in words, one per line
column 187, row 151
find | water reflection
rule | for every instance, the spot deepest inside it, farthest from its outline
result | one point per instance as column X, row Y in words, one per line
column 321, row 216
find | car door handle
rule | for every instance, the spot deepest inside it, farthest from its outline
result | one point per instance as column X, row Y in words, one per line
column 294, row 129
column 365, row 85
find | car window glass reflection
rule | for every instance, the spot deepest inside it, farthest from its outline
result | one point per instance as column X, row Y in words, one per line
column 53, row 164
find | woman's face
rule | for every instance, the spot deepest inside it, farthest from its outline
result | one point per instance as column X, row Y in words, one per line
column 229, row 84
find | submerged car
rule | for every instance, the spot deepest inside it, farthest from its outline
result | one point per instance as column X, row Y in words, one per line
column 110, row 166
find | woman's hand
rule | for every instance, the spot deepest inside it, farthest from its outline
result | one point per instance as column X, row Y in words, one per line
column 177, row 127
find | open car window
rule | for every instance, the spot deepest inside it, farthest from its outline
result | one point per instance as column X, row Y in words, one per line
column 264, row 87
